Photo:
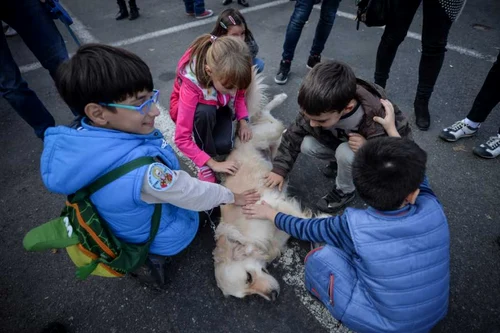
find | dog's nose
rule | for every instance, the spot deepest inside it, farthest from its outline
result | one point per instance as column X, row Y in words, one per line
column 274, row 295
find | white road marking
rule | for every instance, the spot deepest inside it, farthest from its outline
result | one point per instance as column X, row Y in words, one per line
column 86, row 37
column 413, row 35
column 190, row 25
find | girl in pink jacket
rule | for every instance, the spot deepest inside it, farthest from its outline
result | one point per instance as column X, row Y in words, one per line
column 208, row 94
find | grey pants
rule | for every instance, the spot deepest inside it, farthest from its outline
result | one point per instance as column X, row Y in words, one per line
column 343, row 155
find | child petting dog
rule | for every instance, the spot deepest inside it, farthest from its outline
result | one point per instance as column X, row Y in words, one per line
column 112, row 89
column 385, row 268
column 208, row 93
column 335, row 120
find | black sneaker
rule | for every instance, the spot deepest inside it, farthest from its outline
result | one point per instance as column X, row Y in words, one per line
column 313, row 61
column 334, row 200
column 283, row 73
column 153, row 272
column 330, row 171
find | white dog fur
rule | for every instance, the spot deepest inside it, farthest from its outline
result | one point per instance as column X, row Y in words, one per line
column 245, row 247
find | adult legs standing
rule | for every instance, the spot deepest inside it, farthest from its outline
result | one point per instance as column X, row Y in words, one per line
column 44, row 40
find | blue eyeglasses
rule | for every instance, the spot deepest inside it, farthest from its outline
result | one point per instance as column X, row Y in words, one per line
column 144, row 108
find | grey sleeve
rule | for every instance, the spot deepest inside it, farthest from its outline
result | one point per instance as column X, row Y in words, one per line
column 187, row 192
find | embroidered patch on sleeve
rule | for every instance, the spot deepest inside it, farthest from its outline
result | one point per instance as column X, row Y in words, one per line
column 160, row 177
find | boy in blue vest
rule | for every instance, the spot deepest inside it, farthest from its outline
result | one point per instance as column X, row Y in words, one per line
column 385, row 268
column 112, row 89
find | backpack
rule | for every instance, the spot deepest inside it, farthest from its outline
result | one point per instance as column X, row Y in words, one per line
column 86, row 236
column 373, row 13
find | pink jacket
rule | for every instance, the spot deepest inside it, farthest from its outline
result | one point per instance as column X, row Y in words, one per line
column 185, row 97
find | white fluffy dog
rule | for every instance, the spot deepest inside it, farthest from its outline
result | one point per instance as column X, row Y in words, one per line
column 245, row 247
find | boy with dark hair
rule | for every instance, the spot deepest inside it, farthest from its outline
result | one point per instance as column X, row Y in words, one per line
column 335, row 119
column 385, row 268
column 113, row 90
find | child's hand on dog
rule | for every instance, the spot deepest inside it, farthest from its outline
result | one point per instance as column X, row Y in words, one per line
column 273, row 179
column 229, row 167
column 244, row 131
column 260, row 211
column 246, row 198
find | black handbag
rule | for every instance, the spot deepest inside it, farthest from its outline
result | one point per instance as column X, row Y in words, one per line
column 373, row 13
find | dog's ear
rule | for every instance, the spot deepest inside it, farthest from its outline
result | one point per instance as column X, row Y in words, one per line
column 222, row 251
column 240, row 251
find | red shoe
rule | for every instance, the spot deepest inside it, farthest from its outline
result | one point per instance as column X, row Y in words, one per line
column 207, row 175
column 205, row 14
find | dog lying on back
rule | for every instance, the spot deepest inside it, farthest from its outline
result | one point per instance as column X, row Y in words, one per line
column 245, row 247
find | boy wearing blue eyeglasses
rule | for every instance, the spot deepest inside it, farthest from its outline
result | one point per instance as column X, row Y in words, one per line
column 112, row 89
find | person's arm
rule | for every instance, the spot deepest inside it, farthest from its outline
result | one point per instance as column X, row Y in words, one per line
column 188, row 101
column 163, row 185
column 240, row 106
column 289, row 148
column 333, row 230
column 389, row 121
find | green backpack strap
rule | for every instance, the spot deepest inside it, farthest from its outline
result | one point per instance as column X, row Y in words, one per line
column 129, row 252
column 113, row 175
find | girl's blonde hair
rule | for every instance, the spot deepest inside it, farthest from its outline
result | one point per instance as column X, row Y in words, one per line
column 227, row 57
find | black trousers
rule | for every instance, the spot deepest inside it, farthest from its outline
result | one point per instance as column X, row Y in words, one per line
column 488, row 96
column 435, row 29
column 213, row 129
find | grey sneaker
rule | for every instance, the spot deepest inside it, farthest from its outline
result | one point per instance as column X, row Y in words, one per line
column 334, row 200
column 489, row 149
column 457, row 131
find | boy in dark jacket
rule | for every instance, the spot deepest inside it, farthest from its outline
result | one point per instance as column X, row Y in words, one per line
column 335, row 119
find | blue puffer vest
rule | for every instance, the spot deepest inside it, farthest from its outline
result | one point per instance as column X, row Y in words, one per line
column 74, row 158
column 399, row 279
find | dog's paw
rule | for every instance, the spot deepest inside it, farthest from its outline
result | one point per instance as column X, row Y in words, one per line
column 280, row 98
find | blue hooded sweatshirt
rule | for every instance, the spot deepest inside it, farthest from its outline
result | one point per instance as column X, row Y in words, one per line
column 72, row 159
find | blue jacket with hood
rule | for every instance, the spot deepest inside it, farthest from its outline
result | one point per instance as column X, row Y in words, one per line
column 73, row 159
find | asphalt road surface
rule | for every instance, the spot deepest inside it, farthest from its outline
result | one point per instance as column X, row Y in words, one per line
column 37, row 288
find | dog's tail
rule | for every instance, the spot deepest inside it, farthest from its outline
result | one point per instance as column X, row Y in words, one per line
column 255, row 97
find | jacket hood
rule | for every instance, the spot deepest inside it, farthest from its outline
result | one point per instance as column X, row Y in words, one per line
column 73, row 158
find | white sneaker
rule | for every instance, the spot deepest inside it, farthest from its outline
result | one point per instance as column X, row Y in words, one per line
column 457, row 131
column 490, row 149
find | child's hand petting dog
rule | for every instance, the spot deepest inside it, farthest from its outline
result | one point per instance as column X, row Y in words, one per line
column 273, row 179
column 389, row 121
column 260, row 211
column 246, row 198
column 229, row 167
column 244, row 131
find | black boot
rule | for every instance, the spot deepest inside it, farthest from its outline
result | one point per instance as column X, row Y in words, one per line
column 422, row 116
column 134, row 11
column 226, row 2
column 123, row 13
column 244, row 3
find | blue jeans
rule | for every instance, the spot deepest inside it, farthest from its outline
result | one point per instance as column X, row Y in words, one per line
column 40, row 34
column 195, row 6
column 259, row 64
column 299, row 17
